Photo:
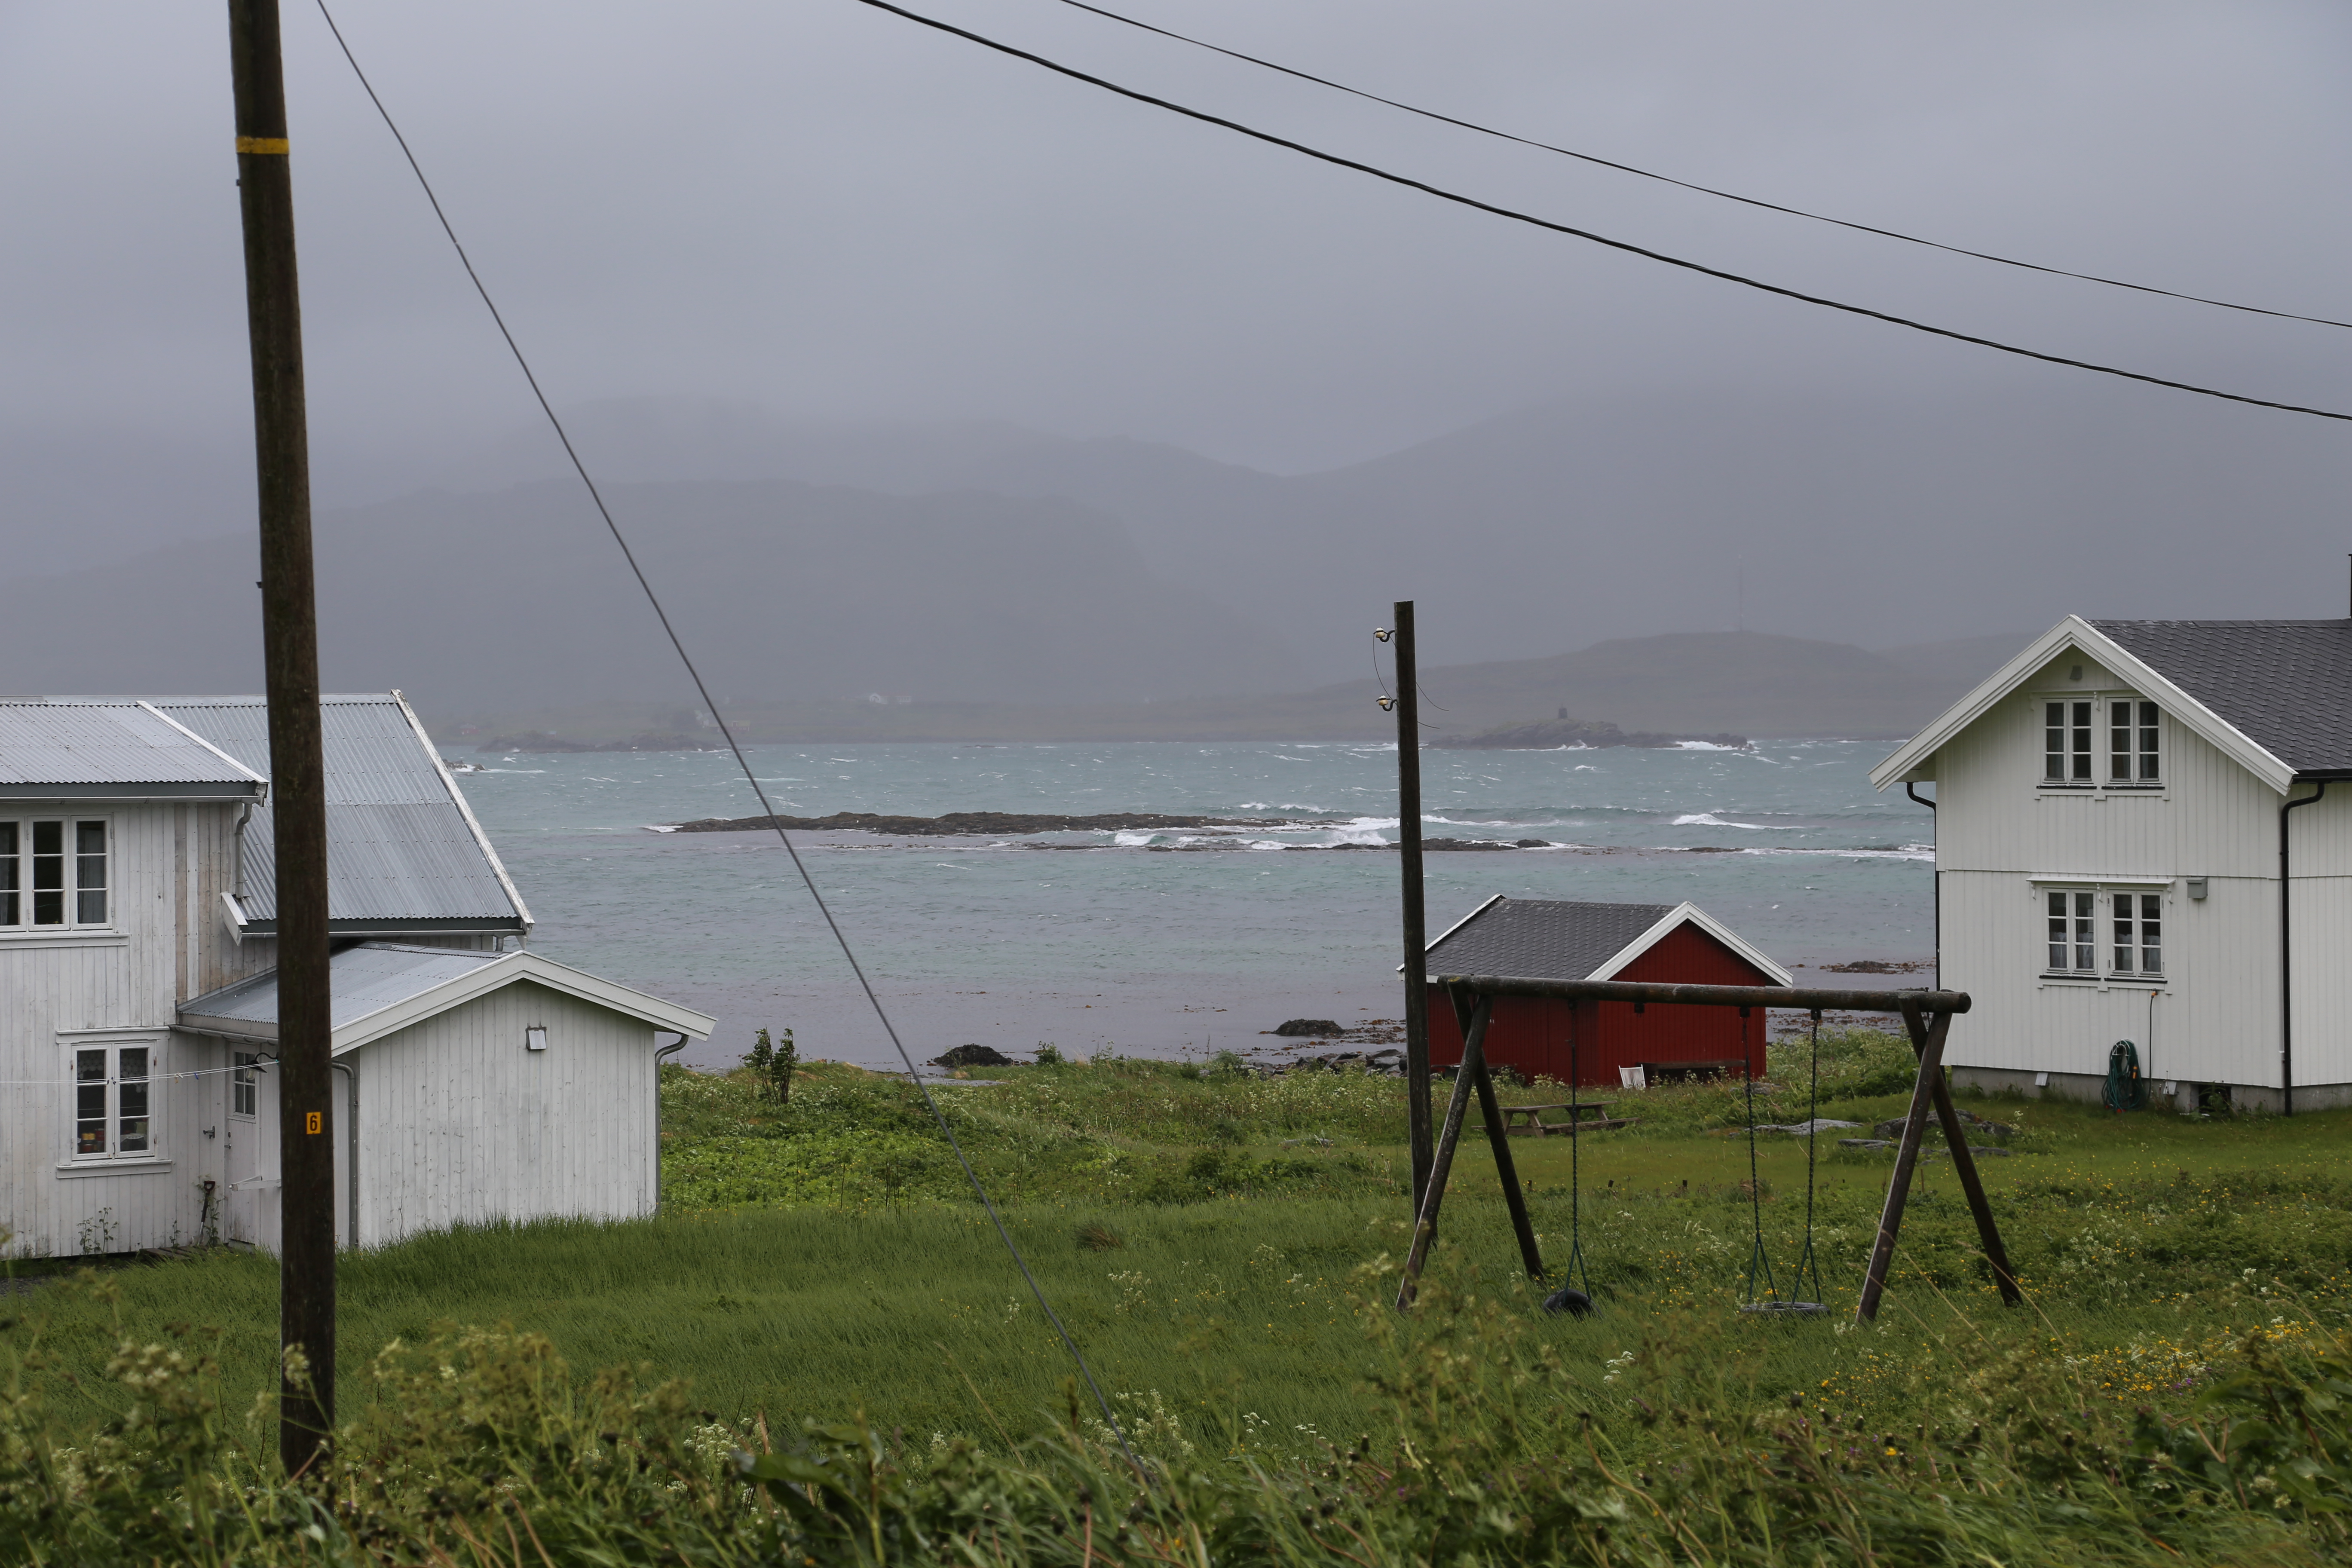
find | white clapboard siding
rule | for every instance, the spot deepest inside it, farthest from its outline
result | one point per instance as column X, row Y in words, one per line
column 55, row 986
column 460, row 1124
column 2216, row 1016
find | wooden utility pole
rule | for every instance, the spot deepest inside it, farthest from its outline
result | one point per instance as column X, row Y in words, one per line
column 1416, row 921
column 289, row 642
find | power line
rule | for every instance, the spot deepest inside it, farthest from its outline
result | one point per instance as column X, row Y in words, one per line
column 720, row 718
column 1441, row 194
column 1703, row 190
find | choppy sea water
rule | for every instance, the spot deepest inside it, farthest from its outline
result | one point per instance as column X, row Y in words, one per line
column 1089, row 940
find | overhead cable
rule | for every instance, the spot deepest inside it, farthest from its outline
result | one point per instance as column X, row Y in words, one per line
column 1703, row 190
column 1441, row 194
column 719, row 715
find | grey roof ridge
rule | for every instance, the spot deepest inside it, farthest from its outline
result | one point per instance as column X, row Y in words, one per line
column 145, row 705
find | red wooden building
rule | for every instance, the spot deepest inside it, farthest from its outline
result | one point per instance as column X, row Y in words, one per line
column 1545, row 939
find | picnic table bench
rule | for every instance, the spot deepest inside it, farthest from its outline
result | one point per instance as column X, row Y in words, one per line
column 1527, row 1120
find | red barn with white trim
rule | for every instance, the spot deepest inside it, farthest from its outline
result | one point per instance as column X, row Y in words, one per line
column 1590, row 1043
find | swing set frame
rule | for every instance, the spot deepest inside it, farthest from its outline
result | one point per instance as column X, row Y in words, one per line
column 1927, row 1015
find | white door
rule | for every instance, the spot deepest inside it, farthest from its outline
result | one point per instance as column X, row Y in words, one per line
column 248, row 1150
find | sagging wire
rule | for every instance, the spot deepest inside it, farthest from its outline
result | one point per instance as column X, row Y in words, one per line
column 1110, row 1417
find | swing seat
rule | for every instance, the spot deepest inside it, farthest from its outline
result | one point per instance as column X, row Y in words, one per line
column 1787, row 1309
column 1568, row 1304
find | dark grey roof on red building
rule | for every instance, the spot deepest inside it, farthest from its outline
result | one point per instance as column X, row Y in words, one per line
column 2284, row 685
column 1542, row 939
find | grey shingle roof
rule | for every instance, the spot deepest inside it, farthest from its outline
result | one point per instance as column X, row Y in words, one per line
column 1542, row 938
column 2284, row 685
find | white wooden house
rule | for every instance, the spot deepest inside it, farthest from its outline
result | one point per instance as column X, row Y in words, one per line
column 2136, row 839
column 138, row 993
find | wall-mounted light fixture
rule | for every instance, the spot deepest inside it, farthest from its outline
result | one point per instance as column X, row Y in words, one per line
column 534, row 1038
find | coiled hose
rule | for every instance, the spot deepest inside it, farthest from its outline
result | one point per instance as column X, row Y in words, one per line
column 2125, row 1089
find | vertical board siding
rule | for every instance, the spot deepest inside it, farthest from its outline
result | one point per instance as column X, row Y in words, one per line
column 128, row 979
column 2215, row 1018
column 461, row 1125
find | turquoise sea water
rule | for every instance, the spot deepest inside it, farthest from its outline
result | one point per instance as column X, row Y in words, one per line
column 1089, row 940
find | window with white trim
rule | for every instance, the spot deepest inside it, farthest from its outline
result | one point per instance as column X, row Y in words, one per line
column 2073, row 739
column 114, row 1102
column 2091, row 932
column 244, row 1085
column 53, row 873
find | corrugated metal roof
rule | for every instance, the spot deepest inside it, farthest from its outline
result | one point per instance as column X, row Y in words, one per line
column 1542, row 938
column 402, row 851
column 2284, row 685
column 80, row 744
column 359, row 981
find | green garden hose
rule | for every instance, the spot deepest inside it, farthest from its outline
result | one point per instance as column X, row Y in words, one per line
column 2125, row 1089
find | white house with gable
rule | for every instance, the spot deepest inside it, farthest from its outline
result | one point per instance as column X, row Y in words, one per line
column 2136, row 839
column 138, row 993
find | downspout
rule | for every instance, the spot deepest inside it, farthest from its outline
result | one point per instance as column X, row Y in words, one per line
column 243, row 817
column 351, row 1184
column 1912, row 791
column 669, row 1051
column 2286, row 956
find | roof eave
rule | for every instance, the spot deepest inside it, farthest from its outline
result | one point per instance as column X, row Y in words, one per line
column 1691, row 912
column 207, row 789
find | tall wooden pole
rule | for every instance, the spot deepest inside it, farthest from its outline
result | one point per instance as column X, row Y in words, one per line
column 297, row 766
column 1416, row 923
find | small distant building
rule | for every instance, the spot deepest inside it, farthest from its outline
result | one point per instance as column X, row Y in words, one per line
column 1593, row 1043
column 138, row 992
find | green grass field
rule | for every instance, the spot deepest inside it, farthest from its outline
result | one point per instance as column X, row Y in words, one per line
column 1222, row 1246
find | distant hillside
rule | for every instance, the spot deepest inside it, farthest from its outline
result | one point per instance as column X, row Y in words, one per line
column 1752, row 683
column 485, row 603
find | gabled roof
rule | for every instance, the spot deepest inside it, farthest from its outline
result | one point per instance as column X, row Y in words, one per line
column 403, row 850
column 112, row 748
column 1550, row 939
column 379, row 987
column 2284, row 685
column 2238, row 684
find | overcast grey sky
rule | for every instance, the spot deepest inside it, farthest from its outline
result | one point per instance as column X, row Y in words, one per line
column 821, row 208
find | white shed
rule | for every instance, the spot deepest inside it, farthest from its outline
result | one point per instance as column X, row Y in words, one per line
column 474, row 1087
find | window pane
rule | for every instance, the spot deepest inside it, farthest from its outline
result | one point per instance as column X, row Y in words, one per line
column 2083, row 713
column 2125, row 939
column 89, row 1102
column 11, row 908
column 89, row 873
column 48, row 873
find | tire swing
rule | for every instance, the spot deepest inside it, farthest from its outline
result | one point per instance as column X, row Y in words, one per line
column 1574, row 1298
column 1769, row 1302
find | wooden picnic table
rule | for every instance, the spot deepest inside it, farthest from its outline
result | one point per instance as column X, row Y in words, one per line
column 1527, row 1120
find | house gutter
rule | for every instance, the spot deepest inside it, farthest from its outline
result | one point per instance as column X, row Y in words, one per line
column 2286, row 945
column 1912, row 791
column 669, row 1051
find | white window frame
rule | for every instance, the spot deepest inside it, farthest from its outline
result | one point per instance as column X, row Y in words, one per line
column 20, row 872
column 115, row 1109
column 244, row 1084
column 2091, row 747
column 2097, row 932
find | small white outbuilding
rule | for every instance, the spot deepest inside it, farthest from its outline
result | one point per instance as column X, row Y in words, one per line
column 473, row 1087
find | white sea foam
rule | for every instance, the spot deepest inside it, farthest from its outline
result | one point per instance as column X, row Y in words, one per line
column 657, row 827
column 1708, row 820
column 1705, row 746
